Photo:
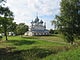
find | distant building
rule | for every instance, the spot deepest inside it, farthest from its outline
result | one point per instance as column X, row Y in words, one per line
column 37, row 28
column 11, row 33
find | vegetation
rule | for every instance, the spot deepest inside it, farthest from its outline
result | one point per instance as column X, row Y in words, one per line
column 6, row 18
column 51, row 31
column 12, row 27
column 27, row 42
column 29, row 48
column 69, row 55
column 53, row 37
column 21, row 29
column 68, row 21
column 42, row 47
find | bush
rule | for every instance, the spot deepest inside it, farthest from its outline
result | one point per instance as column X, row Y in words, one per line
column 51, row 31
column 56, row 32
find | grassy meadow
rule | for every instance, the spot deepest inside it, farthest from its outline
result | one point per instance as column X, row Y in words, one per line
column 38, row 48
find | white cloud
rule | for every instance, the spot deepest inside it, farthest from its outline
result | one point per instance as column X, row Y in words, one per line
column 27, row 9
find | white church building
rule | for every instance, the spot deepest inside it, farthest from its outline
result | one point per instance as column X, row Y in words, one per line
column 37, row 28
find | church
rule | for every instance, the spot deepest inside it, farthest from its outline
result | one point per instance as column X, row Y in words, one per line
column 37, row 28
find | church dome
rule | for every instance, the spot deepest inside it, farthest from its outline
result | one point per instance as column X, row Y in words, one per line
column 36, row 20
column 41, row 21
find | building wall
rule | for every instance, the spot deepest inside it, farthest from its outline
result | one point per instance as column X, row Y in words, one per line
column 37, row 27
column 38, row 33
column 30, row 34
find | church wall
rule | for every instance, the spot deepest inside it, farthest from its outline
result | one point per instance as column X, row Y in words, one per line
column 38, row 33
column 38, row 28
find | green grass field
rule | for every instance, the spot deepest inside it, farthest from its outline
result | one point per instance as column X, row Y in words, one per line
column 36, row 48
column 26, row 43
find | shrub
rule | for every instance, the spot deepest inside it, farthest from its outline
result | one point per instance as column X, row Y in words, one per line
column 51, row 31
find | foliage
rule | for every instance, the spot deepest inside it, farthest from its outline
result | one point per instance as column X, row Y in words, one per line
column 6, row 18
column 68, row 21
column 21, row 28
column 12, row 27
column 51, row 31
column 54, row 22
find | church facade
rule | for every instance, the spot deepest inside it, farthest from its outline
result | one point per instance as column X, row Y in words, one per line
column 37, row 28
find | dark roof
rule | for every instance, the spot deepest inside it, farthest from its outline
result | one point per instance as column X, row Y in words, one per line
column 41, row 21
column 39, row 30
column 36, row 20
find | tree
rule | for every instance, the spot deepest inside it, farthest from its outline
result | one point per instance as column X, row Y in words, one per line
column 51, row 31
column 54, row 22
column 6, row 19
column 69, row 19
column 12, row 27
column 21, row 28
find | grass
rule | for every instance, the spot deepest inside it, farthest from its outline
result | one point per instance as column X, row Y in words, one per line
column 68, row 55
column 25, row 43
column 34, row 48
column 55, row 37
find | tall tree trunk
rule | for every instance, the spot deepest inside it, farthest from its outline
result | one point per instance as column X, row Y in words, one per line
column 6, row 35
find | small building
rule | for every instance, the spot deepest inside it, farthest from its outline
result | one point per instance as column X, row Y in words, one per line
column 37, row 28
column 11, row 33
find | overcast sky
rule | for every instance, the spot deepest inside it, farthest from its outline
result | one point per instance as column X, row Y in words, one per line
column 26, row 10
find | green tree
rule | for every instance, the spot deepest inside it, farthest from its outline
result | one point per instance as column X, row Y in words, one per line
column 54, row 22
column 21, row 28
column 51, row 31
column 69, row 19
column 6, row 19
column 12, row 27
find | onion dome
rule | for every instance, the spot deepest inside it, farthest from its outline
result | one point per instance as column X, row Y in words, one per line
column 41, row 22
column 36, row 20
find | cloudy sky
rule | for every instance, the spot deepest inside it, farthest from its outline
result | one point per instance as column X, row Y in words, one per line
column 26, row 10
